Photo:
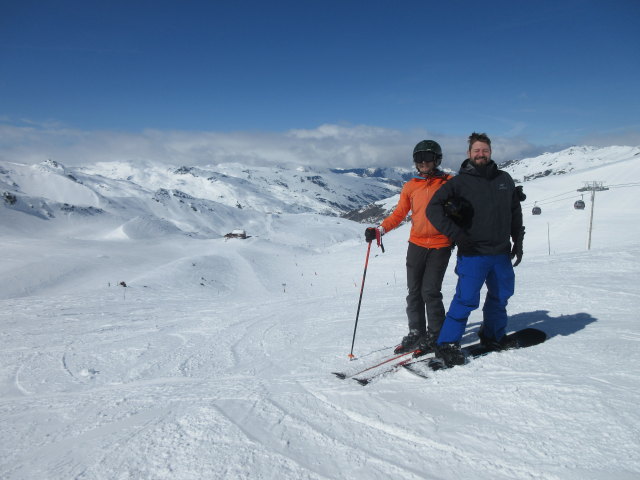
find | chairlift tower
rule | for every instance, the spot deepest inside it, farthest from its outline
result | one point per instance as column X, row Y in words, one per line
column 592, row 187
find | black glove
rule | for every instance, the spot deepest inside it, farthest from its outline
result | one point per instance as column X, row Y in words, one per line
column 370, row 234
column 516, row 250
column 520, row 193
column 375, row 233
column 459, row 210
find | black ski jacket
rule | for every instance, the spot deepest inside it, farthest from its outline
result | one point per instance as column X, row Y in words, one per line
column 496, row 213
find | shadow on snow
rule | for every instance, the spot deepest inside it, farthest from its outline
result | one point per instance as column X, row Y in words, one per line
column 561, row 325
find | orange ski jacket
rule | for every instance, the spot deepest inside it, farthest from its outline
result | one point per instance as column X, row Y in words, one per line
column 415, row 196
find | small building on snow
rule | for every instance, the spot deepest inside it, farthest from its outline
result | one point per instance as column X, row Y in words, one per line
column 236, row 234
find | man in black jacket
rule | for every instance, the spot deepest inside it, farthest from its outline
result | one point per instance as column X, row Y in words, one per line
column 479, row 209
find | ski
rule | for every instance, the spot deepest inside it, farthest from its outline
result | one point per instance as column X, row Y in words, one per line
column 413, row 367
column 386, row 360
column 524, row 338
column 391, row 368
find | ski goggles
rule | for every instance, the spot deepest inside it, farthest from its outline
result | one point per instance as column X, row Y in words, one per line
column 425, row 157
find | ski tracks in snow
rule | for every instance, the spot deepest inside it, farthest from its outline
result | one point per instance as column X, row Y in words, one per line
column 186, row 384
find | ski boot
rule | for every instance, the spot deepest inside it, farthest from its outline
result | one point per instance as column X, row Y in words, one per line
column 426, row 345
column 450, row 354
column 410, row 342
column 505, row 343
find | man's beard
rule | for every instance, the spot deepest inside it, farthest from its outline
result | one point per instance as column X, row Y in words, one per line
column 477, row 159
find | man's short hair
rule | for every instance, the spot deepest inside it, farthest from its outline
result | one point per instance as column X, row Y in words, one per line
column 479, row 137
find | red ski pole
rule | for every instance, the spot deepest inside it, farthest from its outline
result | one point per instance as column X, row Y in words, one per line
column 364, row 276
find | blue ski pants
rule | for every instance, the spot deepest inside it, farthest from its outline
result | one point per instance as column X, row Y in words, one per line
column 473, row 272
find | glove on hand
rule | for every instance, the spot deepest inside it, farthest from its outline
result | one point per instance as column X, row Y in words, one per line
column 459, row 210
column 520, row 193
column 453, row 208
column 373, row 233
column 516, row 250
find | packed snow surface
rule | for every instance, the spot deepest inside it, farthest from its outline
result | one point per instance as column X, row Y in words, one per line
column 215, row 359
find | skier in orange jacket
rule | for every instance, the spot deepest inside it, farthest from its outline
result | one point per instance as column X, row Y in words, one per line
column 428, row 252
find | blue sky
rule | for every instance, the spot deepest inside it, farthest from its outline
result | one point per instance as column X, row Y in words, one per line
column 369, row 78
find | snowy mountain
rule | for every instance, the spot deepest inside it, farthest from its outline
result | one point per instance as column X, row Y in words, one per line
column 196, row 201
column 585, row 161
column 209, row 202
column 215, row 359
column 572, row 159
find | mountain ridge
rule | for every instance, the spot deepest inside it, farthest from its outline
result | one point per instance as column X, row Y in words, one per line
column 209, row 201
column 570, row 160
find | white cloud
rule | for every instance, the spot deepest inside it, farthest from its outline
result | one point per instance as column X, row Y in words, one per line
column 623, row 136
column 325, row 146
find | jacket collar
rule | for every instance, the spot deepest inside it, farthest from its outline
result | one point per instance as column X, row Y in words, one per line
column 469, row 168
column 437, row 173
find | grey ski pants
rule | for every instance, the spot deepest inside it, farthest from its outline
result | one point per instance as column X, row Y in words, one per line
column 425, row 271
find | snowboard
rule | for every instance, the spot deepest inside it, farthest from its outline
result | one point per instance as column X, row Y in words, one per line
column 527, row 337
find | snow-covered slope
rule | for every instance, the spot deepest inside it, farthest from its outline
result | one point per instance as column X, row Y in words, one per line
column 574, row 159
column 214, row 361
column 562, row 228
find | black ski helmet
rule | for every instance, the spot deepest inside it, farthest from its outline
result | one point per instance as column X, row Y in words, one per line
column 429, row 146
